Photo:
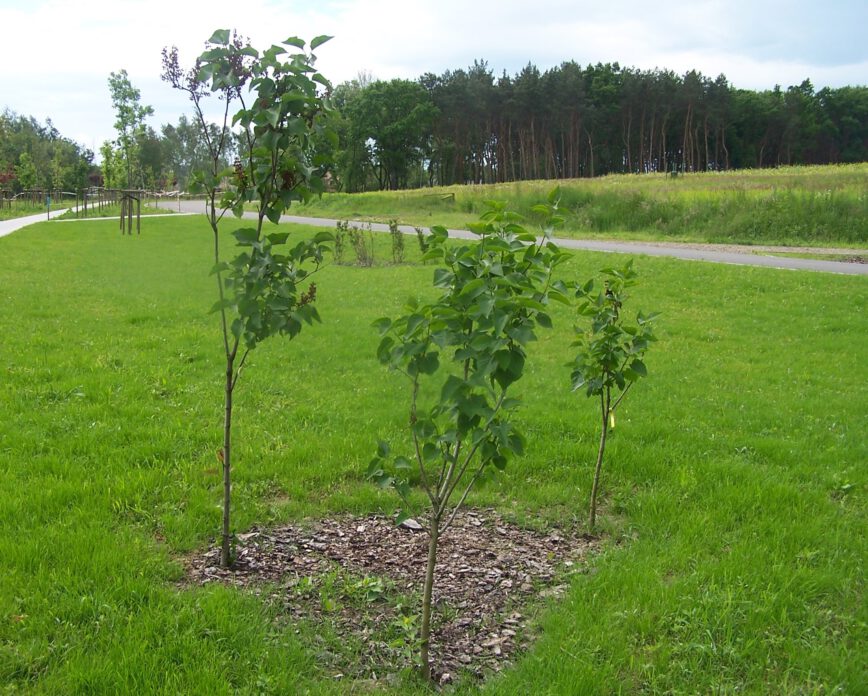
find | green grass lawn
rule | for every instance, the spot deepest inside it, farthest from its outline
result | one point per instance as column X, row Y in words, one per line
column 825, row 206
column 733, row 491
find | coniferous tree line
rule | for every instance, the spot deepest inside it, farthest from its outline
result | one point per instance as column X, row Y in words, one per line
column 466, row 126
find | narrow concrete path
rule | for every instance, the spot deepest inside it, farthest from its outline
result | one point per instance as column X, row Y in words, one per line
column 693, row 252
column 10, row 226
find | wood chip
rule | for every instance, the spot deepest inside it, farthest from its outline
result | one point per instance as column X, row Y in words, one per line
column 477, row 577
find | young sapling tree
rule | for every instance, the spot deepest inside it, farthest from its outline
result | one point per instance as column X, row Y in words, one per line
column 609, row 357
column 265, row 290
column 462, row 354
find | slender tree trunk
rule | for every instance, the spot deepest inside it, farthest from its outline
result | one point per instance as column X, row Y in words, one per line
column 225, row 546
column 604, row 409
column 642, row 168
column 651, row 166
column 705, row 141
column 686, row 162
column 425, row 635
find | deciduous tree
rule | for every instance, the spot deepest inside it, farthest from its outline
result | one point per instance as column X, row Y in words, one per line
column 465, row 351
column 130, row 115
column 265, row 290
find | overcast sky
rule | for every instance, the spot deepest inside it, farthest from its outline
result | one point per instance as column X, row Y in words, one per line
column 56, row 55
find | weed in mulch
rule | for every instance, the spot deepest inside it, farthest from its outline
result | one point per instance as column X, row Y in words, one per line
column 359, row 579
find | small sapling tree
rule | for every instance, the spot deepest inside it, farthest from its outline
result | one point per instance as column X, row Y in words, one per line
column 609, row 358
column 265, row 290
column 465, row 351
column 130, row 124
column 397, row 238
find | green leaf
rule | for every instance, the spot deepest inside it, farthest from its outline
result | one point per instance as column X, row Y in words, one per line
column 428, row 363
column 273, row 214
column 246, row 236
column 472, row 289
column 277, row 238
column 443, row 278
column 382, row 325
column 414, row 321
column 554, row 195
column 294, row 41
column 384, row 350
column 375, row 468
column 319, row 41
column 220, row 304
column 451, row 387
column 273, row 116
column 382, row 448
column 221, row 37
column 639, row 368
column 402, row 488
column 430, row 452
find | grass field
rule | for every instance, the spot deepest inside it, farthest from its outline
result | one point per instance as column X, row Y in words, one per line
column 791, row 205
column 733, row 495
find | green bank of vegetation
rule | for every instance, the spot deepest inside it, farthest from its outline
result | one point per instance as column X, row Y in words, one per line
column 16, row 210
column 822, row 205
column 733, row 503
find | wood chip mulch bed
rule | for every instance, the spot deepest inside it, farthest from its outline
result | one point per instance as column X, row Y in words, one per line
column 489, row 574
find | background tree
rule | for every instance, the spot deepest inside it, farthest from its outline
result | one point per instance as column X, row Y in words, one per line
column 394, row 120
column 185, row 150
column 25, row 172
column 572, row 121
column 51, row 161
column 130, row 116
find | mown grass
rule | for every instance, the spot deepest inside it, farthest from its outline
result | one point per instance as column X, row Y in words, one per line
column 734, row 487
column 792, row 205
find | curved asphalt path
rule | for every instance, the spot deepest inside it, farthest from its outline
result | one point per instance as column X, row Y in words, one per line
column 10, row 226
column 690, row 254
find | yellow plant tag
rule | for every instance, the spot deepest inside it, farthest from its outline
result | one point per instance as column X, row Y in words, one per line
column 611, row 419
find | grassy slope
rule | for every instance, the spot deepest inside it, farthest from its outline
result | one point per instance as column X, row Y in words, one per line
column 792, row 205
column 18, row 210
column 114, row 210
column 734, row 486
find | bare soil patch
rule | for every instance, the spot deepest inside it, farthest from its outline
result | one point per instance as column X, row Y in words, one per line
column 360, row 579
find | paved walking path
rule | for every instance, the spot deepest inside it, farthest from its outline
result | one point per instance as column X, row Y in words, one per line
column 10, row 226
column 745, row 256
column 690, row 252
